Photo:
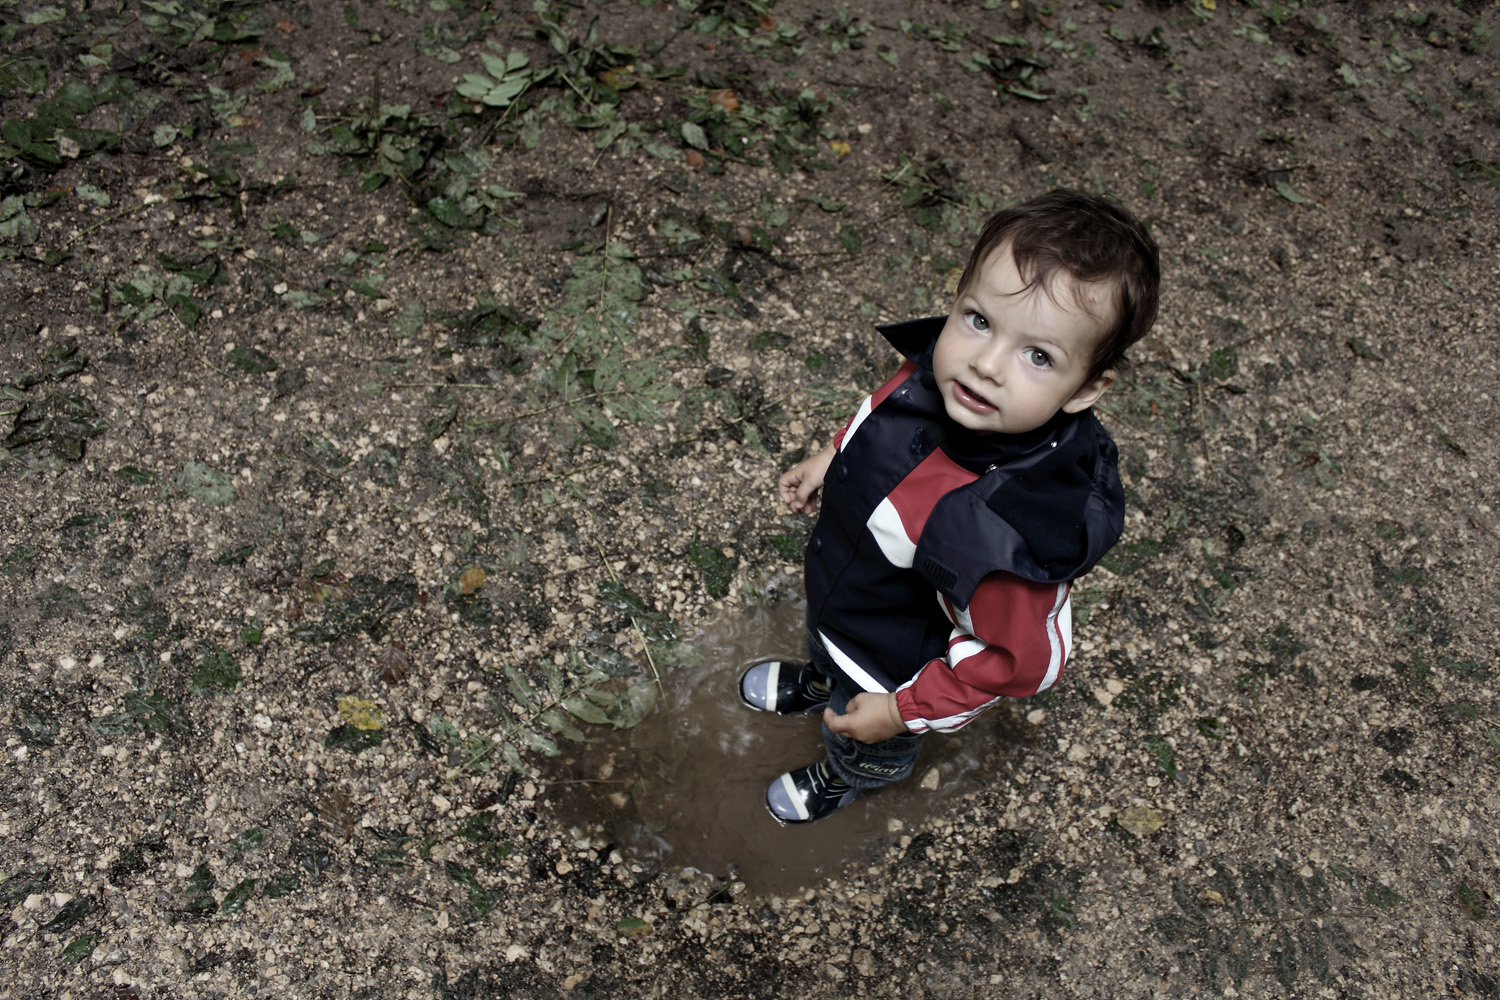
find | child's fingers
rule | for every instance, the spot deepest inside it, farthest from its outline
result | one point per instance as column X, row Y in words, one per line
column 805, row 494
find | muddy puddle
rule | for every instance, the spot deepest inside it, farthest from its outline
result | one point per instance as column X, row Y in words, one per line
column 686, row 788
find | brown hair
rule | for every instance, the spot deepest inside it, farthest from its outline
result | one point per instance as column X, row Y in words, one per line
column 1090, row 239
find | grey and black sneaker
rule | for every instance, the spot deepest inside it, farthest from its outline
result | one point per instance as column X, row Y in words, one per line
column 808, row 793
column 784, row 688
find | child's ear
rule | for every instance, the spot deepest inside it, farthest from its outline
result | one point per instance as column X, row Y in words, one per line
column 1090, row 391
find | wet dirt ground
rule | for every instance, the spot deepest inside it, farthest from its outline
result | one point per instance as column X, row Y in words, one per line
column 364, row 441
column 687, row 787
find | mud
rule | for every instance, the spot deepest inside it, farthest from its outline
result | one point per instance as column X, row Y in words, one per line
column 686, row 788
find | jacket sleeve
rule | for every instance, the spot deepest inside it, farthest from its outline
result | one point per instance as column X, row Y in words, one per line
column 1012, row 641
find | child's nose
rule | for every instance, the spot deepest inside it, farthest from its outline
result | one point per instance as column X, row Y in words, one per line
column 990, row 364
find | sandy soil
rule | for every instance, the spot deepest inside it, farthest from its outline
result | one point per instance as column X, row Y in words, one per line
column 343, row 446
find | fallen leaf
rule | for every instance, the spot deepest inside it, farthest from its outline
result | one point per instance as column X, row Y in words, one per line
column 694, row 159
column 361, row 714
column 394, row 663
column 619, row 78
column 725, row 99
column 1290, row 193
column 634, row 927
column 767, row 22
column 285, row 25
column 840, row 147
column 1140, row 821
column 471, row 580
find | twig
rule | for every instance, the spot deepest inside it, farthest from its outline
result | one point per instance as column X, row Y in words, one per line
column 107, row 220
column 1356, row 914
column 184, row 344
column 645, row 645
column 514, row 416
column 1203, row 428
column 304, row 462
column 441, row 385
column 567, row 402
column 560, row 475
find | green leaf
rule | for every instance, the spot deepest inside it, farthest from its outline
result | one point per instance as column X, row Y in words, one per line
column 850, row 239
column 247, row 840
column 1286, row 190
column 410, row 319
column 71, row 915
column 633, row 927
column 607, row 371
column 80, row 948
column 134, row 476
column 92, row 195
column 506, row 91
column 520, row 687
column 823, row 201
column 634, row 705
column 693, row 135
column 580, row 705
column 251, row 360
column 282, row 76
column 596, row 426
column 538, row 743
column 560, row 724
column 185, row 308
column 236, row 898
column 15, row 224
column 217, row 669
column 206, row 485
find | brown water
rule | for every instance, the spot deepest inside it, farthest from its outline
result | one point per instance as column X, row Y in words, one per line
column 686, row 788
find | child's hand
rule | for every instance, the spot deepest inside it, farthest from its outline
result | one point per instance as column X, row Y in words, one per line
column 799, row 485
column 870, row 718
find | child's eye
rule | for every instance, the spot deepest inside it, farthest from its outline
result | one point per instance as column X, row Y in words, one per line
column 978, row 322
column 1038, row 357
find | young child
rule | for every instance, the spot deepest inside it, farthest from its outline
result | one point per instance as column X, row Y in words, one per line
column 962, row 499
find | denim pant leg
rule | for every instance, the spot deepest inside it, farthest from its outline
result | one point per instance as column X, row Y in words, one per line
column 862, row 765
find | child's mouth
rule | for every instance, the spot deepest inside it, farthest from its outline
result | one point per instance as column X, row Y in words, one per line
column 971, row 400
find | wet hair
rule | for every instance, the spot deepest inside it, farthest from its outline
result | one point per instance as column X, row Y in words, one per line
column 1091, row 239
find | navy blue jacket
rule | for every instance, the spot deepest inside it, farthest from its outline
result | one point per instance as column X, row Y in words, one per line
column 1045, row 506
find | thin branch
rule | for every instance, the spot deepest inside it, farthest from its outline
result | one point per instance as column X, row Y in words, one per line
column 107, row 220
column 304, row 462
column 184, row 344
column 560, row 475
column 645, row 645
column 513, row 416
column 1311, row 914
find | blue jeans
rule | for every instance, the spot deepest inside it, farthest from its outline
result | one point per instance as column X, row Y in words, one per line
column 862, row 765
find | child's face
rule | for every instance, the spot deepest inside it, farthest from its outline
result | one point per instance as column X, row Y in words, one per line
column 1008, row 360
